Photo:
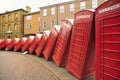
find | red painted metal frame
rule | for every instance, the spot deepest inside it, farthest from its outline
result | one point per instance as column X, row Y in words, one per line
column 5, row 43
column 63, row 42
column 19, row 45
column 80, row 45
column 11, row 45
column 108, row 41
column 27, row 43
column 2, row 44
column 34, row 43
column 42, row 43
column 1, row 41
column 51, row 42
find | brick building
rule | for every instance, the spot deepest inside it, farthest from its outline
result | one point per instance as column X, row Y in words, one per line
column 14, row 24
column 31, row 23
column 53, row 14
column 11, row 24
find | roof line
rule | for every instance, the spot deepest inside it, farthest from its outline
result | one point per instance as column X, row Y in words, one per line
column 61, row 3
column 13, row 11
column 32, row 13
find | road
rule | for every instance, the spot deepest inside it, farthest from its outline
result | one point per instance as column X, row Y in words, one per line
column 16, row 66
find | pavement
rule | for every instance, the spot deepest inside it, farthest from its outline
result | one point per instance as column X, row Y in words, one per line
column 17, row 66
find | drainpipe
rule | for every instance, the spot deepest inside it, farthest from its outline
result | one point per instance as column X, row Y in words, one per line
column 57, row 14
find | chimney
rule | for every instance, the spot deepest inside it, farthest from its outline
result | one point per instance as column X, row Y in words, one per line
column 28, row 9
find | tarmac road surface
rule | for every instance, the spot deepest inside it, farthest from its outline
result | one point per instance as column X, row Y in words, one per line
column 20, row 67
column 17, row 66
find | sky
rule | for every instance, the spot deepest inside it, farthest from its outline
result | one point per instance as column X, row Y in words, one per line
column 9, row 5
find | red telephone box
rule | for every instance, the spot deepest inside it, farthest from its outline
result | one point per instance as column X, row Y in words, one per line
column 34, row 43
column 11, row 45
column 42, row 43
column 108, row 41
column 1, row 43
column 50, row 44
column 18, row 46
column 27, row 43
column 5, row 43
column 81, row 53
column 60, row 55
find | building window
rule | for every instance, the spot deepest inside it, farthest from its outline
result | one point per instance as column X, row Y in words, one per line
column 16, row 16
column 45, row 12
column 71, row 7
column 8, row 18
column 44, row 25
column 28, row 26
column 94, row 4
column 82, row 6
column 52, row 11
column 61, row 9
column 3, row 28
column 15, row 27
column 29, row 17
column 52, row 23
column 8, row 36
column 39, row 30
column 9, row 28
column 3, row 19
column 15, row 36
column 38, row 19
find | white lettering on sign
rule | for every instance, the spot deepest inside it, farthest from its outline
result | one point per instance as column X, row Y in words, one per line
column 109, row 8
column 82, row 16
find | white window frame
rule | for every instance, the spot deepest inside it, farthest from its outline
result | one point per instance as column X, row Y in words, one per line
column 29, row 17
column 52, row 11
column 45, row 12
column 72, row 7
column 94, row 4
column 38, row 19
column 82, row 5
column 15, row 27
column 44, row 25
column 16, row 16
column 61, row 9
column 28, row 26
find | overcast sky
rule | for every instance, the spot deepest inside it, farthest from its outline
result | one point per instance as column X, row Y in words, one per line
column 9, row 5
